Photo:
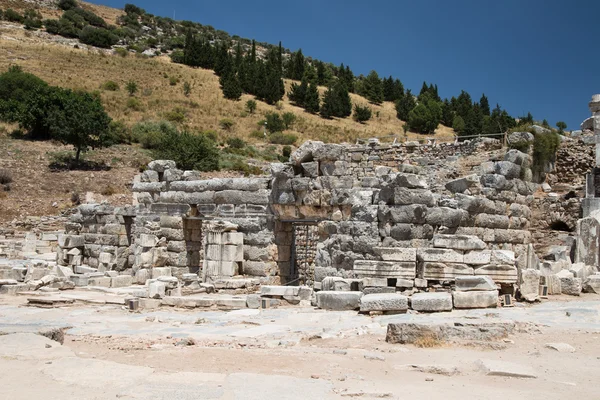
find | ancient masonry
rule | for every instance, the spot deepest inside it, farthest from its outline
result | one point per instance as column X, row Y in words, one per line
column 370, row 227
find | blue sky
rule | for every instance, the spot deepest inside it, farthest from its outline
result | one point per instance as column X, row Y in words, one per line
column 527, row 55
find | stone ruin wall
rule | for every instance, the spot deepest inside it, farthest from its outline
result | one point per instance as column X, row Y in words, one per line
column 362, row 200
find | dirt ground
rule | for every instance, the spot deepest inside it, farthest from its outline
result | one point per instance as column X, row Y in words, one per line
column 289, row 353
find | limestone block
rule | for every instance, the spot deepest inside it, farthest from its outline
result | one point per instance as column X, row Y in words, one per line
column 161, row 165
column 478, row 257
column 156, row 290
column 411, row 181
column 530, row 284
column 571, row 286
column 580, row 270
column 99, row 281
column 338, row 301
column 405, row 196
column 374, row 282
column 121, row 281
column 79, row 280
column 444, row 216
column 83, row 269
column 553, row 283
column 389, row 302
column 592, row 284
column 494, row 181
column 458, row 242
column 105, row 258
column 242, row 197
column 445, row 271
column 405, row 283
column 503, row 257
column 384, row 269
column 440, row 255
column 70, row 241
column 150, row 187
column 279, row 291
column 508, row 169
column 478, row 299
column 431, row 302
column 157, row 272
column 396, row 253
column 411, row 214
column 474, row 283
column 499, row 273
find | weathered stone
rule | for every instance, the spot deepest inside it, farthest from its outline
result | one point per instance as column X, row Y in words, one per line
column 121, row 281
column 560, row 347
column 503, row 257
column 458, row 242
column 411, row 181
column 70, row 241
column 592, row 284
column 508, row 169
column 588, row 241
column 384, row 269
column 440, row 255
column 396, row 253
column 405, row 196
column 161, row 165
column 475, row 299
column 384, row 302
column 503, row 368
column 571, row 286
column 445, row 271
column 270, row 291
column 460, row 185
column 156, row 290
column 431, row 302
column 444, row 216
column 478, row 257
column 474, row 283
column 338, row 301
column 499, row 273
column 99, row 281
column 530, row 284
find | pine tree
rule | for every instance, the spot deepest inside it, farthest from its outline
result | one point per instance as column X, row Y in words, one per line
column 311, row 100
column 329, row 103
column 398, row 90
column 388, row 89
column 373, row 88
column 231, row 86
column 297, row 94
column 405, row 105
column 238, row 57
column 485, row 105
column 298, row 65
column 222, row 60
column 344, row 104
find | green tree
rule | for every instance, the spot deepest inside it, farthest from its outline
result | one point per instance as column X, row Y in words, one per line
column 458, row 124
column 98, row 37
column 297, row 93
column 405, row 105
column 419, row 119
column 361, row 113
column 485, row 105
column 561, row 125
column 78, row 119
column 66, row 4
column 288, row 119
column 251, row 106
column 190, row 151
column 230, row 84
column 311, row 99
column 131, row 87
column 274, row 122
column 297, row 66
column 373, row 88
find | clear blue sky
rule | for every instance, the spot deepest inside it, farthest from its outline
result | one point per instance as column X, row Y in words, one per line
column 541, row 56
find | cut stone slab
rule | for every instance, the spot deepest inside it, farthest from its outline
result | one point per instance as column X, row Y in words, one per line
column 476, row 257
column 156, row 290
column 99, row 281
column 396, row 253
column 384, row 302
column 592, row 284
column 458, row 242
column 561, row 347
column 411, row 332
column 385, row 269
column 499, row 273
column 440, row 255
column 530, row 285
column 431, row 302
column 437, row 271
column 487, row 299
column 571, row 286
column 503, row 368
column 474, row 283
column 338, row 301
column 270, row 291
column 121, row 281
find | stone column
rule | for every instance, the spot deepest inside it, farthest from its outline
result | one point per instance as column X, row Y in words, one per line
column 592, row 201
column 595, row 109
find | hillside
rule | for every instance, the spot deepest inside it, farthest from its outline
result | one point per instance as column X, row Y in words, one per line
column 38, row 190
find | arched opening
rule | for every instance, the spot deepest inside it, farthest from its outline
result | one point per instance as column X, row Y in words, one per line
column 559, row 225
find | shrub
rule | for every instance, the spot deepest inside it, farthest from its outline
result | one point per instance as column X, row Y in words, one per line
column 108, row 190
column 98, row 37
column 458, row 124
column 189, row 151
column 211, row 135
column 131, row 87
column 134, row 104
column 288, row 119
column 111, row 86
column 257, row 134
column 178, row 56
column 521, row 145
column 52, row 26
column 251, row 106
column 274, row 122
column 187, row 89
column 286, row 152
column 118, row 133
column 361, row 114
column 226, row 124
column 236, row 143
column 545, row 146
column 149, row 133
column 173, row 80
column 90, row 17
column 68, row 28
column 122, row 52
column 282, row 138
column 32, row 19
column 13, row 16
column 176, row 115
column 5, row 177
column 66, row 4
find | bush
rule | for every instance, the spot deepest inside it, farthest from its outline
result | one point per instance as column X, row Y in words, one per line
column 5, row 177
column 211, row 135
column 131, row 87
column 286, row 152
column 173, row 80
column 33, row 19
column 118, row 133
column 187, row 89
column 288, row 119
column 521, row 145
column 134, row 104
column 282, row 138
column 251, row 106
column 236, row 143
column 111, row 86
column 149, row 133
column 226, row 124
column 68, row 28
column 90, row 17
column 274, row 122
column 66, row 4
column 189, row 151
column 13, row 16
column 120, row 51
column 361, row 114
column 458, row 124
column 176, row 115
column 177, row 56
column 98, row 37
column 52, row 26
column 257, row 134
column 545, row 146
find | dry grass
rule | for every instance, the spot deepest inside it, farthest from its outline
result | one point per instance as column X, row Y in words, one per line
column 205, row 107
column 428, row 341
column 109, row 14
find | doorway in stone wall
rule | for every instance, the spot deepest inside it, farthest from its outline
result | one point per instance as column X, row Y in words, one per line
column 303, row 252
